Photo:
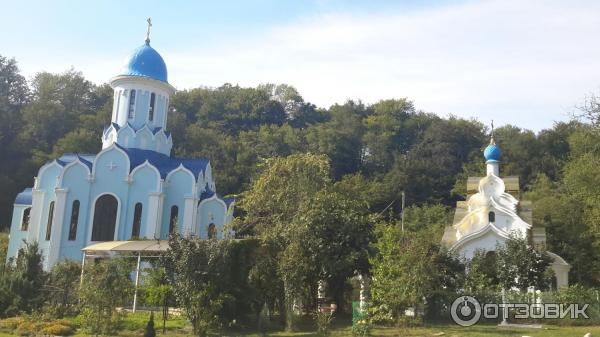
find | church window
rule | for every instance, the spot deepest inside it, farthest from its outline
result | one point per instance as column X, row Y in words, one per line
column 492, row 217
column 105, row 218
column 131, row 104
column 74, row 220
column 212, row 231
column 151, row 110
column 26, row 217
column 173, row 219
column 49, row 222
column 137, row 221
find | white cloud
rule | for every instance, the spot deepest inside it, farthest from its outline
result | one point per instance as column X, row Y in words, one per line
column 521, row 62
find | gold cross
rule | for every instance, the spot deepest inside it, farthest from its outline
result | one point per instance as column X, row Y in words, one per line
column 149, row 20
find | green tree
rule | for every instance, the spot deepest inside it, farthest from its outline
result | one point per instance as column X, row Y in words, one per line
column 521, row 266
column 409, row 266
column 336, row 239
column 199, row 272
column 61, row 286
column 21, row 285
column 159, row 292
column 272, row 207
column 105, row 286
column 14, row 95
column 340, row 138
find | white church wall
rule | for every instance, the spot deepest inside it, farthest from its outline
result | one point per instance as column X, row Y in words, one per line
column 75, row 180
column 145, row 180
column 179, row 184
column 487, row 242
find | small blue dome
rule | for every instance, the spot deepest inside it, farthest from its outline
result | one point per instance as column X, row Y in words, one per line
column 492, row 152
column 146, row 62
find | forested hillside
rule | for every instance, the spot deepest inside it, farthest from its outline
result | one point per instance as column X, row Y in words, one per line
column 381, row 150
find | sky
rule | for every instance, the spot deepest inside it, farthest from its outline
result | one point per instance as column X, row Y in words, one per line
column 526, row 63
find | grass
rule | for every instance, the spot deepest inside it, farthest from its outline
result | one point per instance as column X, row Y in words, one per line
column 134, row 325
column 448, row 330
column 179, row 327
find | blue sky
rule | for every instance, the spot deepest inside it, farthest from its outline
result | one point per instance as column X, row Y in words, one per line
column 527, row 63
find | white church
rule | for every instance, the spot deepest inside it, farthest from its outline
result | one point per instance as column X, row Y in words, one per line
column 492, row 212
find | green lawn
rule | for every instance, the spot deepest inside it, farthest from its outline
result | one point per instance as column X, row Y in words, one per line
column 134, row 324
column 178, row 327
column 448, row 330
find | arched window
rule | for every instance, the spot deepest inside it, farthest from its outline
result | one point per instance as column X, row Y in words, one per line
column 137, row 221
column 173, row 219
column 491, row 217
column 74, row 220
column 151, row 109
column 131, row 104
column 212, row 231
column 105, row 218
column 50, row 220
column 25, row 220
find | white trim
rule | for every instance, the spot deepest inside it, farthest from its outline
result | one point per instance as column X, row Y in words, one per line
column 179, row 168
column 213, row 198
column 557, row 259
column 140, row 135
column 68, row 166
column 46, row 166
column 471, row 236
column 146, row 163
column 128, row 79
column 113, row 146
column 93, row 210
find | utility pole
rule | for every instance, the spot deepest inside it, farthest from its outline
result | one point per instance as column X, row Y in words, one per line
column 402, row 214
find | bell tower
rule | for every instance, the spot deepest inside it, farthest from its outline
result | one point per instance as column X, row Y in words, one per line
column 141, row 102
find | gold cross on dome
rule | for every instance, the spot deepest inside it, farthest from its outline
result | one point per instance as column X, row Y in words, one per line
column 149, row 20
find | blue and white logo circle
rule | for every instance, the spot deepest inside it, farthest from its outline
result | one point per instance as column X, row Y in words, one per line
column 465, row 311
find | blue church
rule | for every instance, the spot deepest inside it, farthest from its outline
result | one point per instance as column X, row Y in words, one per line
column 133, row 189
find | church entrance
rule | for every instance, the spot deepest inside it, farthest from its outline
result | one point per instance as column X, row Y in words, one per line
column 105, row 218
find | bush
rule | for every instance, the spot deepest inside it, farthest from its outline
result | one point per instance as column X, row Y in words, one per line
column 11, row 323
column 150, row 331
column 578, row 295
column 28, row 328
column 57, row 330
column 323, row 320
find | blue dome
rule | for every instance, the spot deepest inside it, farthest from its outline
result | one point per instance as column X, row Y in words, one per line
column 146, row 62
column 492, row 152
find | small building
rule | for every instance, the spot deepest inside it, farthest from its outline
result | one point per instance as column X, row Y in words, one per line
column 132, row 189
column 493, row 212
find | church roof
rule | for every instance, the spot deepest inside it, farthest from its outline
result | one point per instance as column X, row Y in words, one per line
column 154, row 130
column 24, row 198
column 208, row 193
column 162, row 162
column 146, row 62
column 86, row 159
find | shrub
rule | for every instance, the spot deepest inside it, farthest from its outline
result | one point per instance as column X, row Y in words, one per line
column 150, row 331
column 323, row 320
column 11, row 323
column 56, row 329
column 27, row 328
